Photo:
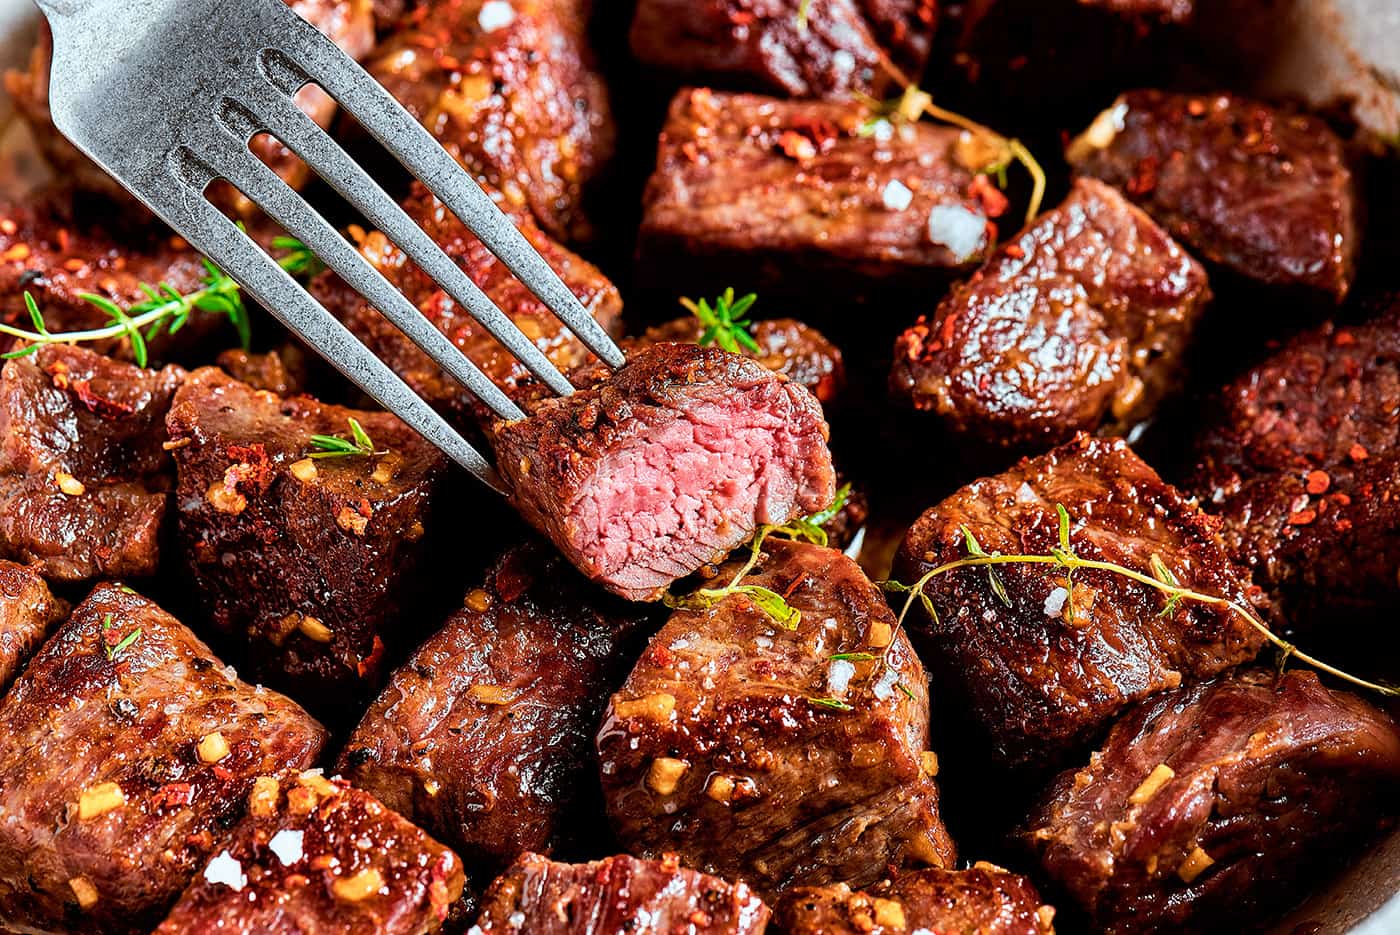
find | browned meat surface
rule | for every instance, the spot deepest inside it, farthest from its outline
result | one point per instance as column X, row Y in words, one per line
column 1261, row 191
column 792, row 196
column 529, row 314
column 1209, row 808
column 129, row 748
column 1045, row 670
column 985, row 900
column 668, row 464
column 313, row 855
column 619, row 894
column 309, row 561
column 84, row 481
column 282, row 371
column 511, row 91
column 27, row 613
column 1301, row 459
column 484, row 735
column 827, row 49
column 755, row 753
column 1077, row 324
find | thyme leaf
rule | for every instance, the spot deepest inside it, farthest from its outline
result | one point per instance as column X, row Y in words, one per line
column 359, row 444
column 835, row 704
column 724, row 321
column 853, row 657
column 114, row 651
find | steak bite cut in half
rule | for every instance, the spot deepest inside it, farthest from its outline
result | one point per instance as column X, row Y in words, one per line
column 28, row 612
column 1218, row 803
column 779, row 757
column 984, row 899
column 484, row 736
column 314, row 855
column 537, row 896
column 1079, row 323
column 1046, row 665
column 305, row 560
column 1261, row 191
column 667, row 465
column 84, row 480
column 129, row 750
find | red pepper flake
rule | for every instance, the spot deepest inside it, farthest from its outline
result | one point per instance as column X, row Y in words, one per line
column 1144, row 178
column 19, row 251
column 99, row 406
column 175, row 794
column 1343, row 338
column 823, row 133
column 796, row 583
column 1302, row 517
column 1358, row 452
column 1196, row 107
column 1014, row 251
column 1341, row 499
column 994, row 203
column 1318, row 482
column 796, row 146
column 8, row 227
column 65, row 240
column 370, row 664
column 945, row 331
column 1342, row 525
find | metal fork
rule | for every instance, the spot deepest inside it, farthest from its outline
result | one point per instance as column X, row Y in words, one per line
column 167, row 100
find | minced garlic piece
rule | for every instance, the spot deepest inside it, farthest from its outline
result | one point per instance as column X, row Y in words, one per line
column 721, row 789
column 352, row 520
column 303, row 470
column 656, row 706
column 880, row 635
column 929, row 761
column 1045, row 915
column 385, row 470
column 84, row 890
column 315, row 779
column 1161, row 775
column 478, row 601
column 491, row 694
column 889, row 914
column 361, row 886
column 262, row 801
column 225, row 499
column 1195, row 864
column 99, row 800
column 314, row 629
column 69, row 484
column 665, row 774
column 212, row 747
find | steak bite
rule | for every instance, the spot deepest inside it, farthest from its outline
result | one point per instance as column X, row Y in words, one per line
column 484, row 735
column 308, row 561
column 511, row 91
column 129, row 748
column 619, row 894
column 1077, row 324
column 667, row 465
column 28, row 612
column 84, row 481
column 282, row 371
column 314, row 855
column 1047, row 667
column 1261, row 191
column 780, row 757
column 786, row 47
column 1216, row 802
column 800, row 196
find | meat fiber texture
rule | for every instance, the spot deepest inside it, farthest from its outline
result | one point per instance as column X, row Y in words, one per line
column 1215, row 803
column 28, row 613
column 779, row 757
column 1045, row 670
column 1262, row 191
column 984, row 899
column 129, row 749
column 314, row 855
column 1079, row 323
column 786, row 47
column 484, row 736
column 619, row 894
column 806, row 197
column 1301, row 460
column 307, row 562
column 511, row 90
column 669, row 464
column 84, row 481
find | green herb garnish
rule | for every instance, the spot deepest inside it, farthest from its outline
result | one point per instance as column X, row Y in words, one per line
column 358, row 444
column 724, row 321
column 836, row 704
column 114, row 651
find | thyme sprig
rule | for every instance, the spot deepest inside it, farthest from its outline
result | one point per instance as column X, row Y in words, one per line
column 1161, row 579
column 115, row 650
column 724, row 321
column 359, row 444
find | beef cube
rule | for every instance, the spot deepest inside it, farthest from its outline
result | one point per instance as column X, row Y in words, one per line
column 1263, row 192
column 804, row 197
column 783, row 757
column 984, row 899
column 1077, row 324
column 667, row 465
column 1046, row 668
column 1213, row 803
column 27, row 613
column 84, row 482
column 282, row 371
column 787, row 47
column 306, row 560
column 533, row 318
column 619, row 894
column 483, row 736
column 511, row 91
column 129, row 748
column 314, row 855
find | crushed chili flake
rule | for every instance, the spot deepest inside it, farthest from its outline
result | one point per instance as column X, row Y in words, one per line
column 8, row 227
column 1144, row 177
column 1341, row 499
column 1358, row 452
column 175, row 794
column 1014, row 251
column 796, row 146
column 19, row 251
column 1318, row 482
column 993, row 201
column 99, row 406
column 1344, row 338
column 1302, row 517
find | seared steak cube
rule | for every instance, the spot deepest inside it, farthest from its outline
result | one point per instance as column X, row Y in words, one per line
column 984, row 899
column 1261, row 191
column 1215, row 803
column 1077, row 324
column 314, row 855
column 1046, row 667
column 27, row 613
column 805, row 196
column 783, row 757
column 282, row 371
column 667, row 465
column 511, row 91
column 129, row 749
column 788, row 47
column 84, row 481
column 307, row 560
column 484, row 735
column 620, row 894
